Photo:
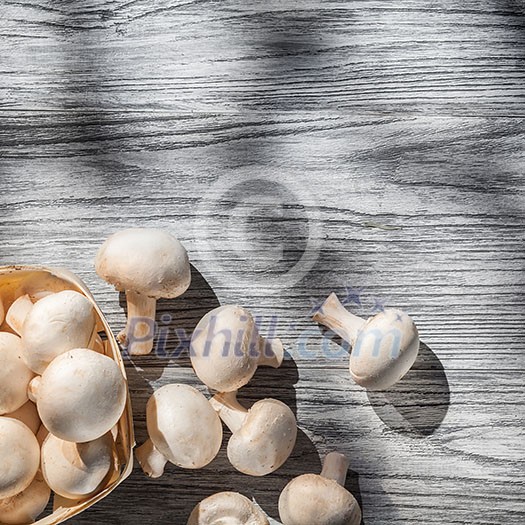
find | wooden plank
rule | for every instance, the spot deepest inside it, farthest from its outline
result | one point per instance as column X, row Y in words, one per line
column 378, row 56
column 372, row 148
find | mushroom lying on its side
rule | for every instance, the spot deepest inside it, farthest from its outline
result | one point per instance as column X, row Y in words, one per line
column 56, row 324
column 19, row 457
column 25, row 507
column 226, row 349
column 384, row 347
column 81, row 395
column 76, row 470
column 322, row 499
column 14, row 374
column 227, row 508
column 148, row 264
column 262, row 438
column 183, row 429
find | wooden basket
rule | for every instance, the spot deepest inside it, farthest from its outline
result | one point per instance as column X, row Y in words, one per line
column 20, row 280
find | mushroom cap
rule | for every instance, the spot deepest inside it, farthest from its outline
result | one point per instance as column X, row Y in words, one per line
column 28, row 415
column 14, row 374
column 147, row 261
column 227, row 508
column 385, row 349
column 82, row 395
column 76, row 470
column 183, row 426
column 19, row 457
column 56, row 324
column 224, row 348
column 265, row 440
column 26, row 506
column 310, row 499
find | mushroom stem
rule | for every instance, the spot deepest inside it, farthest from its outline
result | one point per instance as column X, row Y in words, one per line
column 337, row 318
column 150, row 459
column 271, row 352
column 335, row 467
column 138, row 334
column 229, row 409
column 32, row 389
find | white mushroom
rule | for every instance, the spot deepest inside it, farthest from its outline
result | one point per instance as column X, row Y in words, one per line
column 227, row 508
column 384, row 347
column 262, row 438
column 28, row 415
column 148, row 264
column 226, row 349
column 321, row 500
column 14, row 374
column 183, row 429
column 18, row 312
column 56, row 324
column 19, row 457
column 81, row 395
column 76, row 470
column 25, row 507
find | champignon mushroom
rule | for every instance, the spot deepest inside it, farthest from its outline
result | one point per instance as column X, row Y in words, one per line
column 226, row 349
column 148, row 264
column 19, row 457
column 17, row 313
column 183, row 429
column 262, row 438
column 56, row 324
column 14, row 374
column 76, row 470
column 81, row 395
column 384, row 347
column 25, row 507
column 28, row 415
column 322, row 500
column 229, row 508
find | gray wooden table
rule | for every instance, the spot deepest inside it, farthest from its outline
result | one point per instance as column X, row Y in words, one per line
column 373, row 148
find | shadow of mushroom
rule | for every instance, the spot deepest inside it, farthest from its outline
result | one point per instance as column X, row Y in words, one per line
column 175, row 321
column 419, row 402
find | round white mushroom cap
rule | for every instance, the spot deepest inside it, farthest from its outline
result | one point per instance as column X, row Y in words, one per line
column 81, row 395
column 227, row 508
column 76, row 470
column 26, row 506
column 14, row 374
column 310, row 499
column 148, row 261
column 19, row 457
column 225, row 348
column 57, row 323
column 386, row 347
column 183, row 426
column 265, row 440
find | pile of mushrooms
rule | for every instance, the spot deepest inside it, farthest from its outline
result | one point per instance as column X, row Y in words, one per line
column 60, row 397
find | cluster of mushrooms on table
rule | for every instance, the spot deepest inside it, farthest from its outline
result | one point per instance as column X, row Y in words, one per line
column 62, row 394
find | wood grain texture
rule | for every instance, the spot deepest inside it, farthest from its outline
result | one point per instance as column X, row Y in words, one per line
column 296, row 148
